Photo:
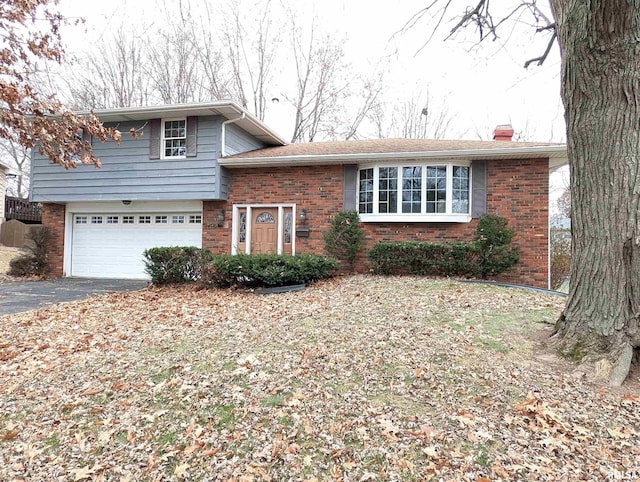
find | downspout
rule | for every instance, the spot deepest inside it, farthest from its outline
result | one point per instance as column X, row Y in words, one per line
column 223, row 137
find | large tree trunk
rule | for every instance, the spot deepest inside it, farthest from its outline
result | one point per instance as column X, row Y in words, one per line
column 600, row 48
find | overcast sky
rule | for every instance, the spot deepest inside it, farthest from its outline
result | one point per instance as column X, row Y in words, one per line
column 481, row 86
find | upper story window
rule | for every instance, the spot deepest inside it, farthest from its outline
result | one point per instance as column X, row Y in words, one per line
column 174, row 138
column 415, row 192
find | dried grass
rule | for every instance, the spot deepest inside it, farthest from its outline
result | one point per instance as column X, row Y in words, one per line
column 359, row 378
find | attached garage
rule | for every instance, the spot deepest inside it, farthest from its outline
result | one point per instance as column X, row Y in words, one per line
column 107, row 243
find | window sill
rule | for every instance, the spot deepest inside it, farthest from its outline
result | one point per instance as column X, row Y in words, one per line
column 415, row 218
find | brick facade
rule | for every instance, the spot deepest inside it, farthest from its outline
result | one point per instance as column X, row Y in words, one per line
column 318, row 189
column 516, row 190
column 53, row 217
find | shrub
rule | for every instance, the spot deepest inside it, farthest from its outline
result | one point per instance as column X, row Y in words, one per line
column 560, row 256
column 266, row 270
column 35, row 261
column 424, row 258
column 493, row 240
column 345, row 238
column 176, row 264
column 489, row 254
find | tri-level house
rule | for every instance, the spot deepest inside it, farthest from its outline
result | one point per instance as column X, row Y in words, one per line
column 213, row 176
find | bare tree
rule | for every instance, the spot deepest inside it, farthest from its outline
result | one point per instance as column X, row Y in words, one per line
column 319, row 64
column 173, row 66
column 416, row 117
column 19, row 158
column 364, row 100
column 30, row 32
column 601, row 94
column 209, row 50
column 564, row 202
column 251, row 58
column 114, row 76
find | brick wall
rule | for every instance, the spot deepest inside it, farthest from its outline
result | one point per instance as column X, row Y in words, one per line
column 318, row 189
column 53, row 217
column 517, row 190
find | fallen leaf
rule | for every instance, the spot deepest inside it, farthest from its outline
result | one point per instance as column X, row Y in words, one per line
column 181, row 470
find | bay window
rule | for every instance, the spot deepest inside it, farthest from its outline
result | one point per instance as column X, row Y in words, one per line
column 438, row 192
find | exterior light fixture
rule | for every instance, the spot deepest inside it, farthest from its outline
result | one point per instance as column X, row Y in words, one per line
column 220, row 218
column 303, row 216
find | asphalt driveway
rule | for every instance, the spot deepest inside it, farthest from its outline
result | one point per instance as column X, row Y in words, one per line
column 29, row 295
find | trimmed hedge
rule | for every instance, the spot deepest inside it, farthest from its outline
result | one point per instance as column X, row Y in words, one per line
column 489, row 254
column 267, row 270
column 424, row 258
column 175, row 264
column 185, row 264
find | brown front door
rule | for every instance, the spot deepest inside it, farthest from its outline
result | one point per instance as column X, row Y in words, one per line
column 264, row 230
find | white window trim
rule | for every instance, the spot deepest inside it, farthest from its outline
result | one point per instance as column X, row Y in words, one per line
column 235, row 224
column 448, row 217
column 163, row 138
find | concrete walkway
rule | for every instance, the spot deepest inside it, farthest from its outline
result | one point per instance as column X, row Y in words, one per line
column 16, row 297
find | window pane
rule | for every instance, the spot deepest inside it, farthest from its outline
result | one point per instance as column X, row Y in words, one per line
column 436, row 189
column 175, row 138
column 243, row 227
column 365, row 184
column 460, row 195
column 411, row 189
column 287, row 227
column 388, row 190
column 265, row 218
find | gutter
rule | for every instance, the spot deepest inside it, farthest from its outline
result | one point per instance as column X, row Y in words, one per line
column 223, row 134
column 558, row 152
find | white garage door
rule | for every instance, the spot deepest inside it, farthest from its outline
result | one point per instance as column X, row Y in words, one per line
column 110, row 245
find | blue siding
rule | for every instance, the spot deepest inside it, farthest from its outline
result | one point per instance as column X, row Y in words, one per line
column 238, row 140
column 128, row 173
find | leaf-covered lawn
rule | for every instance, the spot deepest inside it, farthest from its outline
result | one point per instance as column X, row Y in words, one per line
column 355, row 379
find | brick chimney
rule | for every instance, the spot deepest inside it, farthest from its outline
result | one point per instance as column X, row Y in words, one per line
column 503, row 133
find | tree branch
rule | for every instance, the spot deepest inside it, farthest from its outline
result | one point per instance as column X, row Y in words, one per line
column 543, row 57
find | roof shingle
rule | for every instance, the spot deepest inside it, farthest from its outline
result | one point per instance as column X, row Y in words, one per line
column 379, row 146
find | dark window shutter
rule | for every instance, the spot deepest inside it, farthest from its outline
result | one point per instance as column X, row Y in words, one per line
column 155, row 126
column 86, row 136
column 478, row 188
column 192, row 136
column 86, row 140
column 349, row 187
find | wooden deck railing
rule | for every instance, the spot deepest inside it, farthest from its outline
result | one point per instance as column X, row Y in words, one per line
column 21, row 209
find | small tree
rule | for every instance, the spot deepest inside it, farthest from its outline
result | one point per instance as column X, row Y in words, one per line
column 34, row 262
column 345, row 239
column 493, row 240
column 560, row 241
